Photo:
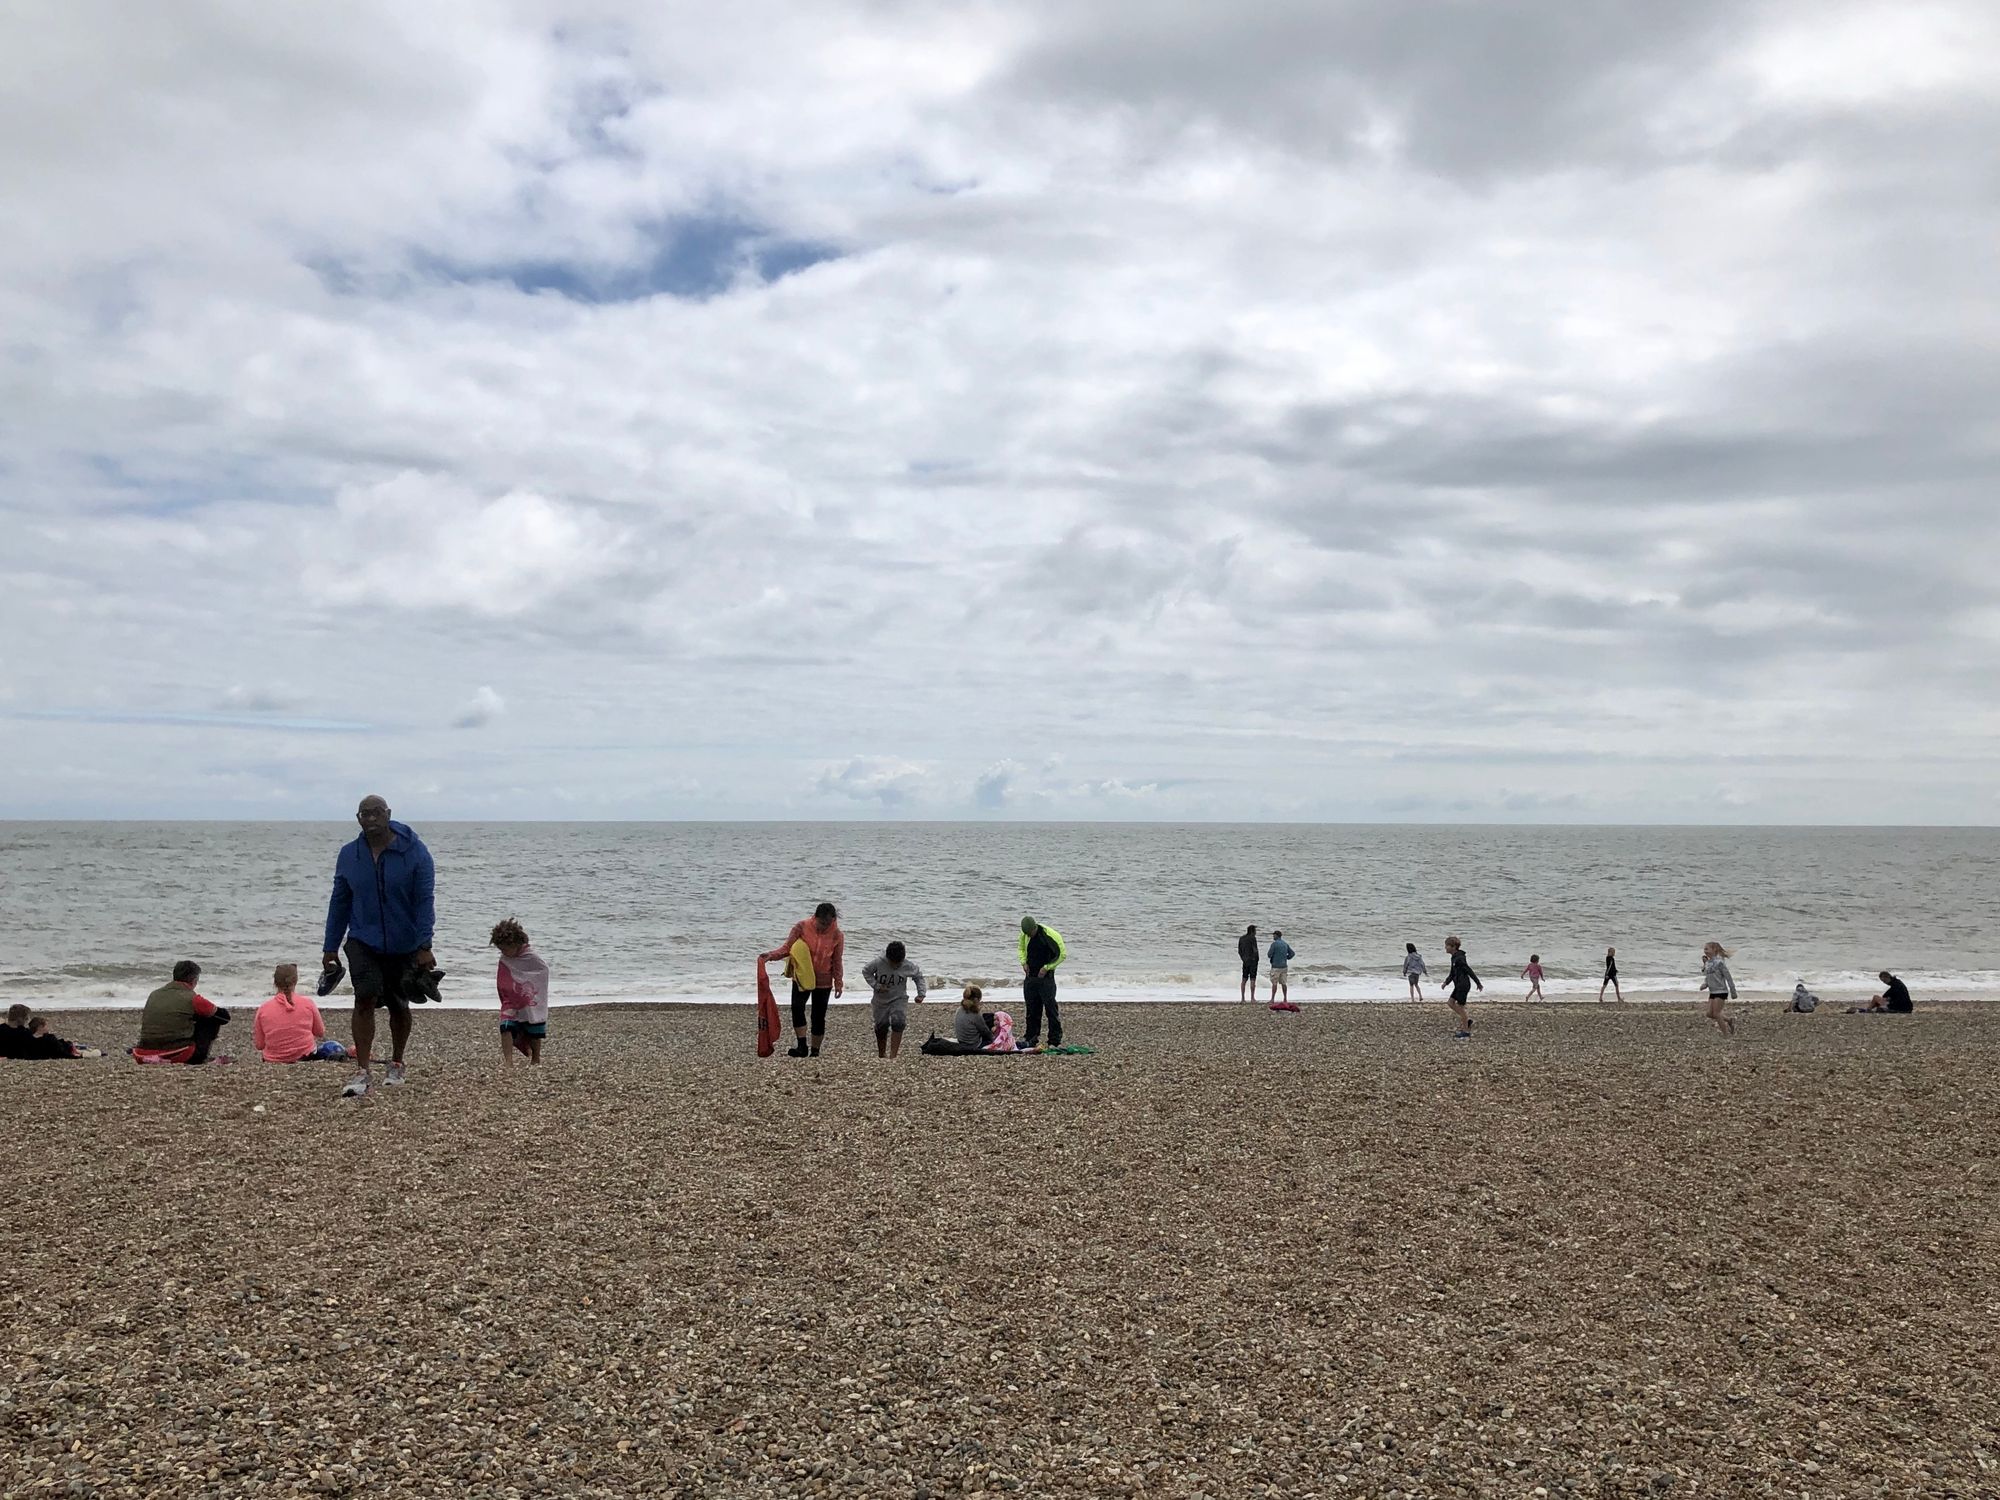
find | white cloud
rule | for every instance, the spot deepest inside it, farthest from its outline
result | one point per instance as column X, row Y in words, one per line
column 267, row 698
column 482, row 709
column 888, row 784
column 420, row 542
column 1315, row 411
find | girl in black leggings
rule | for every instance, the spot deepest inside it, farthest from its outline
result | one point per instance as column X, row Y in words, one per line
column 826, row 945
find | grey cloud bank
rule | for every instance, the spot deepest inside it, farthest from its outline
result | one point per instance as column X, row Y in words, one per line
column 1348, row 411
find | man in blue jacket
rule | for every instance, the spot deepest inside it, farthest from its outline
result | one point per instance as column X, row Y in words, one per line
column 382, row 904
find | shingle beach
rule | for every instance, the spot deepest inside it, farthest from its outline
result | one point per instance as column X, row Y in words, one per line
column 1593, row 1252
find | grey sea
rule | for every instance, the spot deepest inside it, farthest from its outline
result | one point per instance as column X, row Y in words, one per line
column 95, row 913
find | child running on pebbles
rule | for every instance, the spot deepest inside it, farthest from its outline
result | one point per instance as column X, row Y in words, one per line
column 1721, row 986
column 1460, row 982
column 523, row 981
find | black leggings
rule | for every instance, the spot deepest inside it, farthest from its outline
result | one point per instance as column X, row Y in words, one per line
column 819, row 998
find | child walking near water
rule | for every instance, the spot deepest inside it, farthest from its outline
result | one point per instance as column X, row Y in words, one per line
column 1413, row 970
column 523, row 982
column 1460, row 982
column 1610, row 977
column 1720, row 983
column 1533, row 974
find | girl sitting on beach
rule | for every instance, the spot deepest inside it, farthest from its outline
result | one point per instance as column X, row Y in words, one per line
column 288, row 1027
column 1413, row 970
column 523, row 982
column 969, row 1028
column 1720, row 984
column 1533, row 974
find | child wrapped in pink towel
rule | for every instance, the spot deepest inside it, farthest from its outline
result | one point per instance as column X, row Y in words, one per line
column 1003, row 1034
column 523, row 982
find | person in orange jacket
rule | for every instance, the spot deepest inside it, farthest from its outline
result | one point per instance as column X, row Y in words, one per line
column 825, row 947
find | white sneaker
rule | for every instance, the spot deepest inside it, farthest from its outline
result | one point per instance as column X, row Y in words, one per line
column 355, row 1087
column 394, row 1075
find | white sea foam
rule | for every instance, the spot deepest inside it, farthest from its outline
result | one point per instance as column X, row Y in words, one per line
column 95, row 913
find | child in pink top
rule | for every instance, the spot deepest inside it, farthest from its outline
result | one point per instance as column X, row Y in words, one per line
column 1533, row 974
column 288, row 1027
column 523, row 982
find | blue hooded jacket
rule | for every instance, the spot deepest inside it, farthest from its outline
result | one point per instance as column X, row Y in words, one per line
column 385, row 903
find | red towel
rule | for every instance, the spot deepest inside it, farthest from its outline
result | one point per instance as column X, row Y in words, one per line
column 768, row 1024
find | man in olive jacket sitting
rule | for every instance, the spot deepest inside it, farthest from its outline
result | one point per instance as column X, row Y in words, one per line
column 177, row 1024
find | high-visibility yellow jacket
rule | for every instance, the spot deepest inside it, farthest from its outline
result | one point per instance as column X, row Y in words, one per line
column 1062, row 952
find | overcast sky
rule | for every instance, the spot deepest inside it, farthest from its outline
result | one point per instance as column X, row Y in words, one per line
column 1158, row 408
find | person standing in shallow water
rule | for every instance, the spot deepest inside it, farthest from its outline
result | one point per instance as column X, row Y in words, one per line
column 383, row 903
column 1281, row 955
column 1041, row 950
column 1246, row 950
column 1413, row 970
column 826, row 952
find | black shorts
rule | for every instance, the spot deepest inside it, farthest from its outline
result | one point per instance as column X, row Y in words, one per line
column 1461, row 995
column 1249, row 968
column 1714, row 996
column 378, row 977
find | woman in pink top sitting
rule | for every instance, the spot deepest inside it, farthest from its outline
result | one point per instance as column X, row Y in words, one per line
column 288, row 1028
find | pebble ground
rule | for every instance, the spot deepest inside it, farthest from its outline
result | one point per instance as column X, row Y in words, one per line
column 1594, row 1252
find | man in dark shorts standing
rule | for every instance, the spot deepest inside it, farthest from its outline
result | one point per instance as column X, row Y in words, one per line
column 1246, row 950
column 382, row 904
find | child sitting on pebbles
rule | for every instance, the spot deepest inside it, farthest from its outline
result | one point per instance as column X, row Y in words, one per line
column 523, row 982
column 969, row 1027
column 28, row 1037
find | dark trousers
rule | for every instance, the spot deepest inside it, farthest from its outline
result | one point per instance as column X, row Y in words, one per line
column 819, row 998
column 1040, row 995
column 205, row 1030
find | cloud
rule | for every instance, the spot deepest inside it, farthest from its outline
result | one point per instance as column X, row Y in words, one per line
column 418, row 542
column 264, row 699
column 887, row 783
column 1016, row 411
column 483, row 708
column 991, row 788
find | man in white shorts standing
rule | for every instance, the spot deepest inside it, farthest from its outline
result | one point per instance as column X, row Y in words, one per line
column 1281, row 956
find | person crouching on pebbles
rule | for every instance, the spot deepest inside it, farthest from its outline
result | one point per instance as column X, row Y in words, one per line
column 1721, row 986
column 523, row 982
column 888, row 979
column 1460, row 982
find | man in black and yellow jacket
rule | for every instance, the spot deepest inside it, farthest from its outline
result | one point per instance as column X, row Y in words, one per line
column 1041, row 950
